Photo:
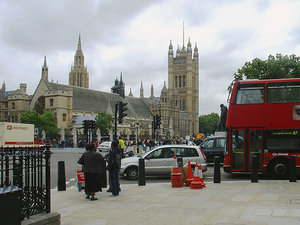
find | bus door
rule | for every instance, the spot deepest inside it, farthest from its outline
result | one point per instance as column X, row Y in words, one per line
column 255, row 146
column 238, row 149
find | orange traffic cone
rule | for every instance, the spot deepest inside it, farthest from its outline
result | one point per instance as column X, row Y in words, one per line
column 201, row 175
column 189, row 178
column 196, row 183
column 176, row 176
column 175, row 167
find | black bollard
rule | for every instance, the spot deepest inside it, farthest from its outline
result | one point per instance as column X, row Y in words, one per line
column 217, row 172
column 292, row 169
column 142, row 179
column 61, row 176
column 254, row 169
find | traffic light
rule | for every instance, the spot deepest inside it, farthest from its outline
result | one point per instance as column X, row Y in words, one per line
column 158, row 121
column 122, row 109
column 85, row 126
column 93, row 124
column 154, row 123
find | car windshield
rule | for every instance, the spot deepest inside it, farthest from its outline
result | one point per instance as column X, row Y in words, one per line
column 146, row 153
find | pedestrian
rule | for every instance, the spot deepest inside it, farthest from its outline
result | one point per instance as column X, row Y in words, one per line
column 122, row 146
column 94, row 170
column 113, row 166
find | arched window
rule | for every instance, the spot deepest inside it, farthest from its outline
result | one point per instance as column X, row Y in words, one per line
column 51, row 102
column 183, row 104
column 13, row 105
column 176, row 81
column 183, row 81
column 179, row 81
column 64, row 117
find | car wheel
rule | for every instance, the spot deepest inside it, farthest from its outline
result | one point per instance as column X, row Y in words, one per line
column 132, row 173
column 280, row 169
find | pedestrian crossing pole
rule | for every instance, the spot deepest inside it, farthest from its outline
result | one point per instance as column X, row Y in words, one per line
column 116, row 121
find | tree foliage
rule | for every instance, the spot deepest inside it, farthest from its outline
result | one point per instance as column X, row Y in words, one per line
column 104, row 122
column 208, row 123
column 275, row 67
column 44, row 121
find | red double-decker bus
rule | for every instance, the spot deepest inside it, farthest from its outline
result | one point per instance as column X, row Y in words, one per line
column 263, row 119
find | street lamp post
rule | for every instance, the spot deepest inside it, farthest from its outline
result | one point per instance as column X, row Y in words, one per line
column 137, row 138
column 159, row 113
column 37, row 104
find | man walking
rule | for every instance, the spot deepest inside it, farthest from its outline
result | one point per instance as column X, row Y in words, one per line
column 114, row 164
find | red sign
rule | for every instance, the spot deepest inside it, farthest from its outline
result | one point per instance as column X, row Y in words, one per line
column 9, row 127
column 80, row 176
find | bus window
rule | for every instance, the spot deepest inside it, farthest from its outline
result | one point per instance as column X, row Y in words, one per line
column 283, row 140
column 283, row 92
column 250, row 94
column 238, row 149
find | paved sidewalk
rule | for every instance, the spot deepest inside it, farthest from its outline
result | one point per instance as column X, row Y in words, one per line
column 266, row 202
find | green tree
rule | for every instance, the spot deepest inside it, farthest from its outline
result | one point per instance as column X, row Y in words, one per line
column 104, row 122
column 208, row 123
column 275, row 67
column 44, row 121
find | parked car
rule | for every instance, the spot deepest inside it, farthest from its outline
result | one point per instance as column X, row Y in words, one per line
column 160, row 160
column 104, row 147
column 212, row 147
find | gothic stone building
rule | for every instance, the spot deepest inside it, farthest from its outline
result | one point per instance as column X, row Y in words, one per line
column 73, row 103
column 178, row 104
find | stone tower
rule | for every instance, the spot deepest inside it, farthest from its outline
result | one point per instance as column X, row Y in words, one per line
column 183, row 88
column 79, row 76
column 119, row 87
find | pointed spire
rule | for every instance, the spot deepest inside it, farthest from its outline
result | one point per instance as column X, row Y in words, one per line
column 79, row 43
column 196, row 51
column 3, row 89
column 189, row 43
column 183, row 36
column 130, row 93
column 45, row 62
column 165, row 86
column 45, row 70
column 142, row 90
column 152, row 90
column 170, row 46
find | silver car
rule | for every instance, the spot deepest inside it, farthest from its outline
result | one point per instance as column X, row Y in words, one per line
column 104, row 147
column 160, row 160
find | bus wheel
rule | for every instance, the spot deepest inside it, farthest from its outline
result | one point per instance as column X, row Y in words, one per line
column 280, row 169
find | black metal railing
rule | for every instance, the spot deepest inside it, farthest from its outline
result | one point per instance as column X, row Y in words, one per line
column 29, row 169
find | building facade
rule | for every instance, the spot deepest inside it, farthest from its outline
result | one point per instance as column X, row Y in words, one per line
column 178, row 104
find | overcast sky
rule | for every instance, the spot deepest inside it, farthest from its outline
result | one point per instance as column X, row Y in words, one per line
column 133, row 36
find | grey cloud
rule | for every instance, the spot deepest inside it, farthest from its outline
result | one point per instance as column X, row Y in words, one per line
column 54, row 24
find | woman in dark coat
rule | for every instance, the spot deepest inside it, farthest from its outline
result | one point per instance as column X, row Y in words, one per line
column 93, row 164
